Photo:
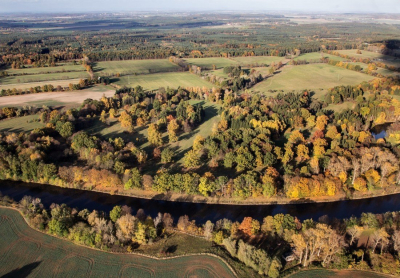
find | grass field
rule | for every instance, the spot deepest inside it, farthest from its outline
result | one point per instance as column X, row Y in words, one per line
column 157, row 80
column 69, row 98
column 134, row 66
column 26, row 86
column 25, row 252
column 313, row 76
column 139, row 137
column 324, row 273
column 21, row 124
column 8, row 80
column 31, row 70
column 314, row 56
column 364, row 54
column 257, row 59
column 388, row 60
column 209, row 62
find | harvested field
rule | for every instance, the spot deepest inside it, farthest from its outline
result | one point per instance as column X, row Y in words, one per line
column 57, row 98
column 25, row 252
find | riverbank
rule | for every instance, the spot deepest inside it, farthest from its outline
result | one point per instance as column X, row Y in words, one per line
column 177, row 197
column 50, row 244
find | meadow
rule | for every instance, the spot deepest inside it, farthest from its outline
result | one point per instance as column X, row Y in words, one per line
column 134, row 67
column 316, row 56
column 258, row 60
column 26, row 86
column 208, row 63
column 378, row 57
column 28, row 253
column 8, row 80
column 66, row 67
column 365, row 54
column 158, row 80
column 139, row 137
column 312, row 76
column 21, row 124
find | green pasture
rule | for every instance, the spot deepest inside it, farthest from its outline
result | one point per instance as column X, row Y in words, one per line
column 44, row 70
column 9, row 80
column 316, row 56
column 209, row 62
column 21, row 124
column 168, row 79
column 312, row 76
column 249, row 60
column 134, row 67
column 139, row 136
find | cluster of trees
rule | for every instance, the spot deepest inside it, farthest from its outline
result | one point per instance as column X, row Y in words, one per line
column 277, row 243
column 286, row 146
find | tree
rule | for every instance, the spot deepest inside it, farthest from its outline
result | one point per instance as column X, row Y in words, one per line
column 379, row 237
column 396, row 241
column 208, row 230
column 172, row 128
column 66, row 130
column 191, row 159
column 115, row 213
column 135, row 180
column 126, row 121
column 166, row 155
column 354, row 232
column 154, row 136
column 322, row 121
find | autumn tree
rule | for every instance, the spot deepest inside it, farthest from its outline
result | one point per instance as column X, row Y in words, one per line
column 154, row 135
column 172, row 128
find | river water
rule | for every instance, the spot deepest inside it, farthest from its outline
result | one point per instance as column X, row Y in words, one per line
column 81, row 199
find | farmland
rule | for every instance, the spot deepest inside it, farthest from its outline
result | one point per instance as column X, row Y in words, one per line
column 258, row 60
column 378, row 57
column 314, row 77
column 316, row 56
column 66, row 67
column 158, row 80
column 209, row 62
column 26, row 86
column 70, row 98
column 26, row 252
column 9, row 80
column 134, row 67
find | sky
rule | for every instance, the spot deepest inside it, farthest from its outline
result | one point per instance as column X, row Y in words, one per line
column 308, row 6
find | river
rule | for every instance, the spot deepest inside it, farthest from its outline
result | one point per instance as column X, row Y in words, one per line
column 81, row 199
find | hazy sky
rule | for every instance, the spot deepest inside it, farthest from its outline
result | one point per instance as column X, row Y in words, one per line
column 380, row 6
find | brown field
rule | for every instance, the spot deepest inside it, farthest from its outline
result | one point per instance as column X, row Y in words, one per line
column 57, row 98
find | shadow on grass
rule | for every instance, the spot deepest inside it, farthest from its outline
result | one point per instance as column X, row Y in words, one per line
column 22, row 272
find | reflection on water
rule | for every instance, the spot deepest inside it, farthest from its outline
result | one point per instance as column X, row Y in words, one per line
column 199, row 212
